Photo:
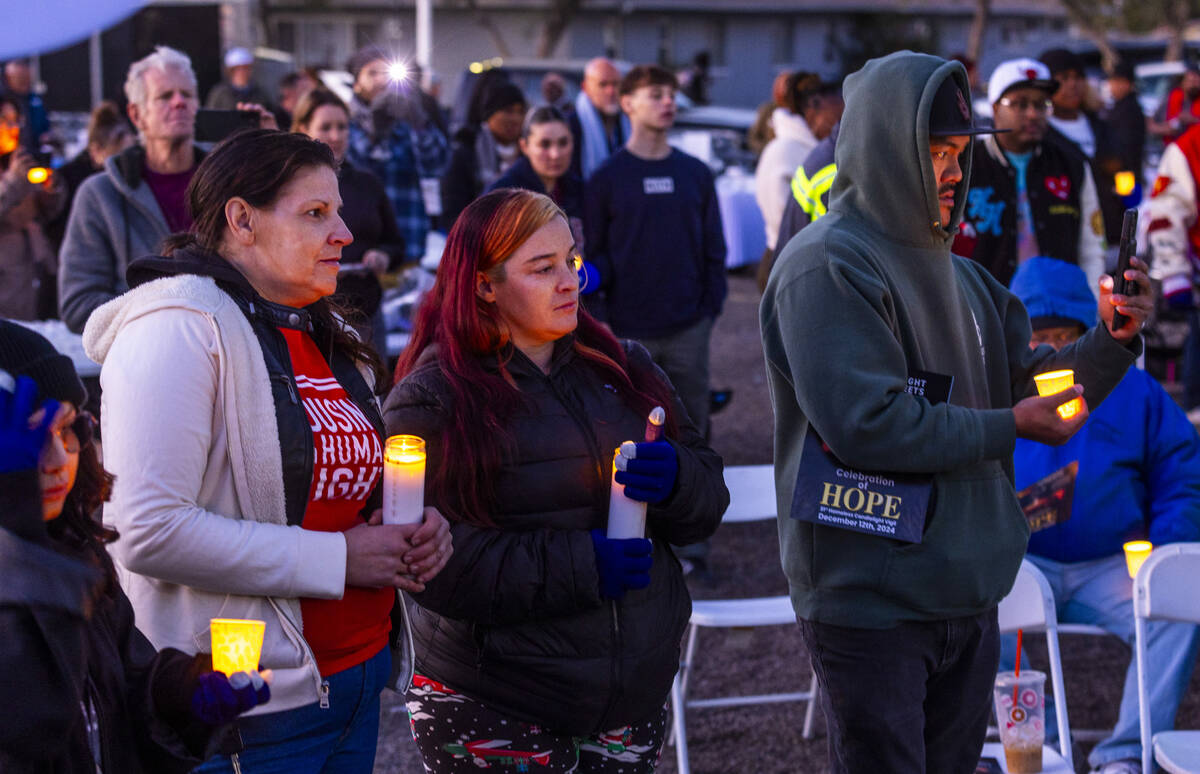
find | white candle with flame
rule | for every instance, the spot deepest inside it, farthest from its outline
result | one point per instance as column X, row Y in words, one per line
column 626, row 517
column 403, row 479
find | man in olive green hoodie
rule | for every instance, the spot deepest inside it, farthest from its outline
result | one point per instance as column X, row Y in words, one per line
column 862, row 305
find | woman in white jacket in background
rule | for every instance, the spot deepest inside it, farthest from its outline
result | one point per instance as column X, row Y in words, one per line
column 812, row 109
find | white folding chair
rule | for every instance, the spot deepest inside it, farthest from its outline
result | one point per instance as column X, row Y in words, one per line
column 1165, row 589
column 1030, row 607
column 1087, row 734
column 751, row 498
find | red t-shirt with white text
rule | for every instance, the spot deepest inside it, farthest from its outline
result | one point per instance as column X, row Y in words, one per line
column 347, row 464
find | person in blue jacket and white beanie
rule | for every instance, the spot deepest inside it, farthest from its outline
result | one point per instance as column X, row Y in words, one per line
column 1138, row 478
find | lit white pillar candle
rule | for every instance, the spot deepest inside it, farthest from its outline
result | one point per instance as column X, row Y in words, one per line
column 403, row 479
column 626, row 517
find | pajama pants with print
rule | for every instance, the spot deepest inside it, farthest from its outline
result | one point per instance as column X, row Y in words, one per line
column 456, row 733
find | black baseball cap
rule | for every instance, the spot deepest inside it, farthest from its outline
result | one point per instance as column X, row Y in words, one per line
column 950, row 113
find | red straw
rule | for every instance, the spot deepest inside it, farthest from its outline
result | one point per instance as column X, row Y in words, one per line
column 1017, row 670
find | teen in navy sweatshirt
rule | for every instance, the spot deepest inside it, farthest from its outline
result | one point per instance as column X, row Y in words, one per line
column 653, row 230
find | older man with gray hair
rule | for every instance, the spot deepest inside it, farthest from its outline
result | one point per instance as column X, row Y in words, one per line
column 139, row 199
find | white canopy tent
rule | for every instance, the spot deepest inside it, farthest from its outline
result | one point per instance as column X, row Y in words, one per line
column 48, row 25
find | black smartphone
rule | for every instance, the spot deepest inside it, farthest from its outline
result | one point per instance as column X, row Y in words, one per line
column 1121, row 285
column 216, row 125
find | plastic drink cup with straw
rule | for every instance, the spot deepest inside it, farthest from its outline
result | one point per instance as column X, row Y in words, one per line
column 1020, row 716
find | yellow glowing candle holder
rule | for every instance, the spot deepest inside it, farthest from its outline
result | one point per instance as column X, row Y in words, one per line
column 403, row 479
column 1136, row 552
column 236, row 644
column 1125, row 181
column 1054, row 382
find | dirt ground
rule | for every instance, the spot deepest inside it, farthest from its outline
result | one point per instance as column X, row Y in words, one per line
column 745, row 562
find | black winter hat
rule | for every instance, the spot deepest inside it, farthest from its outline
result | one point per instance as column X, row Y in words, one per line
column 1122, row 69
column 1061, row 60
column 26, row 353
column 501, row 96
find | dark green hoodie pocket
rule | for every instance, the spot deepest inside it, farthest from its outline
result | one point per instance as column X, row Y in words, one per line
column 974, row 541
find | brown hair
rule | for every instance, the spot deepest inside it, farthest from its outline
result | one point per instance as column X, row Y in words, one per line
column 779, row 89
column 106, row 125
column 309, row 104
column 799, row 89
column 79, row 525
column 647, row 75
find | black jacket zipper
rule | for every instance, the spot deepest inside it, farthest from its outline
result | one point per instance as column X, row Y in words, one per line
column 599, row 457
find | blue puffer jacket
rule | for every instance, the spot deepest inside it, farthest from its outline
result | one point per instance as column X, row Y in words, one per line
column 1139, row 457
column 1139, row 475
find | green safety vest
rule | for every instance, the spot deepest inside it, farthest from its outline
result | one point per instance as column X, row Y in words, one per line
column 809, row 190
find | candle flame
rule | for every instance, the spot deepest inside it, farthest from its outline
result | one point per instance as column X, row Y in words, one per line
column 404, row 450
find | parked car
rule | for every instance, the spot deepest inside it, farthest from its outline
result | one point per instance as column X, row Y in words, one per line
column 1154, row 81
column 715, row 134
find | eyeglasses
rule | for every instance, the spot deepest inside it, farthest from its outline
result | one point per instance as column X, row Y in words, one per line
column 1021, row 105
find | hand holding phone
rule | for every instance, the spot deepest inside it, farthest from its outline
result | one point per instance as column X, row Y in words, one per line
column 216, row 125
column 1122, row 286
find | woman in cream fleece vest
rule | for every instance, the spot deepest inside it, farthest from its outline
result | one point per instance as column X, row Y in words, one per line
column 241, row 423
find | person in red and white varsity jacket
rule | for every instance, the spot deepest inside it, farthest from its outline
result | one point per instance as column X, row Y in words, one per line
column 1173, row 233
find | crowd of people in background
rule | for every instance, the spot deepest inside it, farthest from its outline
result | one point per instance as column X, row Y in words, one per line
column 236, row 287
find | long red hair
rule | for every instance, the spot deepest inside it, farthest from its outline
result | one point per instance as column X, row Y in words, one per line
column 471, row 350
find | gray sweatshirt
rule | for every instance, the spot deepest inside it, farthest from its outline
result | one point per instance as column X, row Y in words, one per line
column 114, row 219
column 859, row 300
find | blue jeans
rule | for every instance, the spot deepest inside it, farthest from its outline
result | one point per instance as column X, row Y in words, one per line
column 683, row 357
column 311, row 740
column 1191, row 362
column 1099, row 592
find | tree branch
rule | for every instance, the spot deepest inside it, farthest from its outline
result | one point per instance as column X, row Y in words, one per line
column 557, row 20
column 484, row 20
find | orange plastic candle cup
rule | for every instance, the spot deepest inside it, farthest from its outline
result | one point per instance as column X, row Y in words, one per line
column 1054, row 382
column 236, row 644
column 1124, row 181
column 1136, row 552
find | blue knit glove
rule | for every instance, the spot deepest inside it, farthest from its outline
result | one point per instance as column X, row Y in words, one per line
column 650, row 476
column 20, row 446
column 589, row 278
column 218, row 699
column 622, row 564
